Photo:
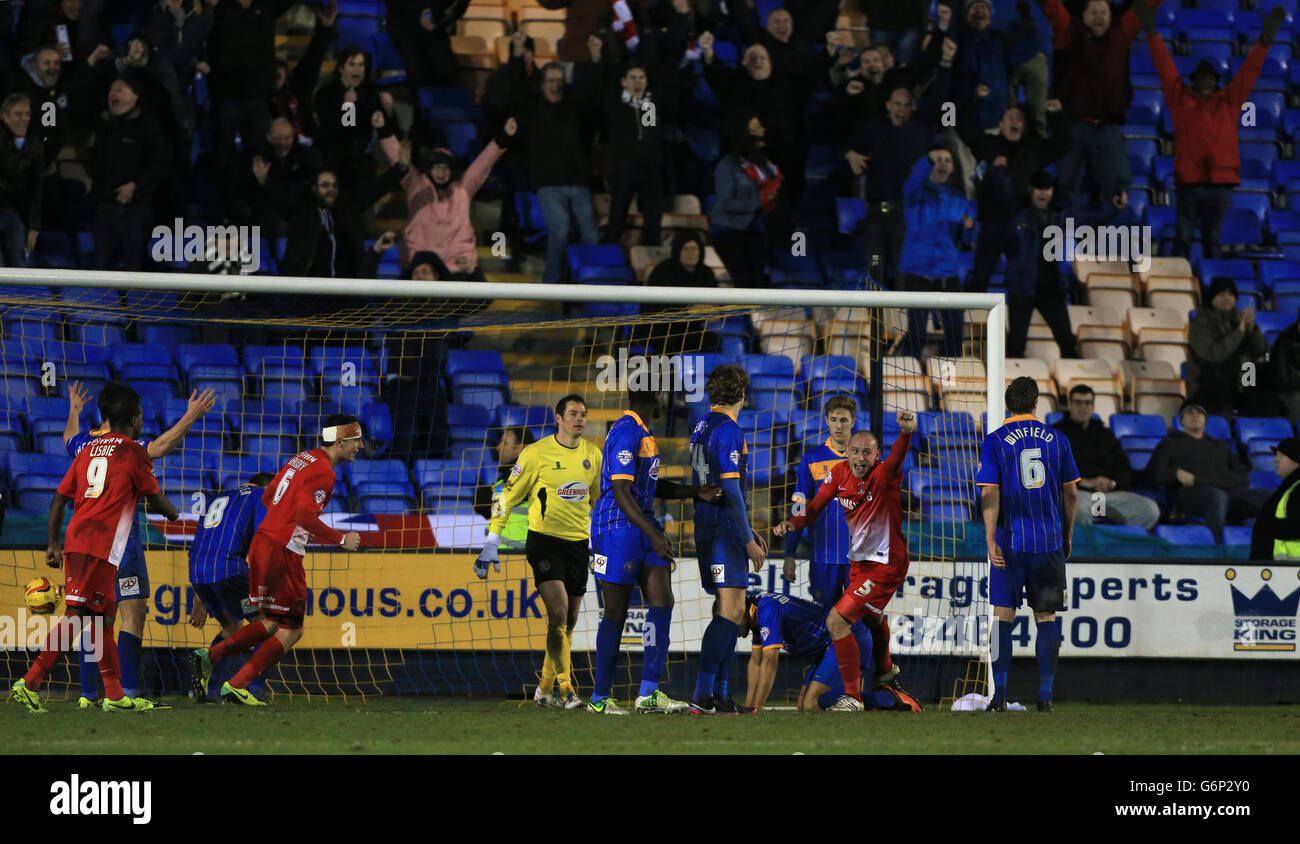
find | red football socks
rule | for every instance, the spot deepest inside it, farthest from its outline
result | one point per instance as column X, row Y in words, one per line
column 849, row 659
column 266, row 656
column 880, row 646
column 59, row 636
column 245, row 639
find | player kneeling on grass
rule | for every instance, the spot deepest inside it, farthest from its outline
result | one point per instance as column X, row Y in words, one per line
column 104, row 482
column 630, row 549
column 781, row 622
column 277, row 583
column 868, row 490
column 219, row 570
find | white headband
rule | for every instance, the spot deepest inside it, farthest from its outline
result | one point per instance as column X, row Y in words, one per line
column 334, row 433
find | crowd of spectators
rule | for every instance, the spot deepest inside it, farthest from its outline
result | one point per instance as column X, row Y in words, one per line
column 965, row 129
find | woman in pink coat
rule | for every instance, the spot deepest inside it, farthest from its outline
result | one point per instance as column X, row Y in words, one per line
column 439, row 206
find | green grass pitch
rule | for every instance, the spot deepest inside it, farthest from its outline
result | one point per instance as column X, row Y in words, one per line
column 433, row 725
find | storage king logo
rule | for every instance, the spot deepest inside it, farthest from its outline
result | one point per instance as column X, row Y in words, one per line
column 1264, row 622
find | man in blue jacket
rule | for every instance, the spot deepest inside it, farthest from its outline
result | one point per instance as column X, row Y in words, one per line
column 931, row 207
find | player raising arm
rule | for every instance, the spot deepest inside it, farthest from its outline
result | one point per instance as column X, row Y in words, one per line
column 1027, row 480
column 277, row 583
column 630, row 549
column 104, row 482
column 782, row 622
column 132, row 585
column 219, row 567
column 558, row 475
column 868, row 490
column 723, row 538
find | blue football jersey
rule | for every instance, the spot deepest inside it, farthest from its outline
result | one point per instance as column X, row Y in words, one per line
column 220, row 548
column 133, row 555
column 631, row 454
column 718, row 452
column 829, row 535
column 1029, row 462
column 797, row 625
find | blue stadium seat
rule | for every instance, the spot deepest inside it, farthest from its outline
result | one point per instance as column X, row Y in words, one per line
column 606, row 275
column 1137, row 425
column 814, row 366
column 446, row 479
column 462, row 138
column 596, row 255
column 19, row 465
column 388, row 62
column 385, row 470
column 1235, row 268
column 1139, row 460
column 1283, row 225
column 1267, row 479
column 1236, row 535
column 768, row 372
column 945, row 511
column 288, row 392
column 767, row 426
column 1256, row 203
column 377, row 423
column 356, row 31
column 13, row 437
column 331, row 359
column 275, row 448
column 1185, row 534
column 766, row 464
column 1265, row 431
column 348, row 398
column 34, row 326
column 1142, row 148
column 849, row 214
column 473, row 361
column 193, row 354
column 139, row 353
column 468, row 422
column 96, row 333
column 514, row 415
column 240, row 412
column 255, row 356
column 1270, row 272
column 385, row 504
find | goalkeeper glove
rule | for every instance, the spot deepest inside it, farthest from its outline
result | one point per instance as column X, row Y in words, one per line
column 489, row 555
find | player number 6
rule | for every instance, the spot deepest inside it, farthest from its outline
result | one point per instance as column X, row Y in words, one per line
column 1032, row 472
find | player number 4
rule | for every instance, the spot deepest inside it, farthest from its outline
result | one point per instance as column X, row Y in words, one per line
column 699, row 464
column 1032, row 472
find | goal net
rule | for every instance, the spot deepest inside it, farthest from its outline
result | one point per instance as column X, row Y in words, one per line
column 437, row 372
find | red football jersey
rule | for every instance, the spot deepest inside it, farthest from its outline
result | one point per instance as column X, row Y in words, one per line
column 872, row 507
column 306, row 481
column 104, row 482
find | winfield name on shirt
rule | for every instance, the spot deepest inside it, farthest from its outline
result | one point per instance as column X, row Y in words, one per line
column 1015, row 434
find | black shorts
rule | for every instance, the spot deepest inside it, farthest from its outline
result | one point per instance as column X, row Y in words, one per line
column 558, row 559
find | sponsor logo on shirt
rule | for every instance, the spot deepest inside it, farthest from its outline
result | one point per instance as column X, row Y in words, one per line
column 602, row 563
column 573, row 491
column 625, row 457
column 128, row 586
column 586, row 464
column 847, row 503
column 515, row 471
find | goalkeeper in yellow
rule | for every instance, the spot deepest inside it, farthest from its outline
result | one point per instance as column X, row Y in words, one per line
column 559, row 476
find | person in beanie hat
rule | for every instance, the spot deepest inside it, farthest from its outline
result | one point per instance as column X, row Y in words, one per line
column 439, row 203
column 1204, row 475
column 1205, row 119
column 1276, row 535
column 1220, row 339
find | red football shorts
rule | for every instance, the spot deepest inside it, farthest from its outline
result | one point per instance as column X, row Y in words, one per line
column 90, row 583
column 277, row 584
column 871, row 585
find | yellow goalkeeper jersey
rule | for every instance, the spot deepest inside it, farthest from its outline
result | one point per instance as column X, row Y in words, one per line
column 561, row 485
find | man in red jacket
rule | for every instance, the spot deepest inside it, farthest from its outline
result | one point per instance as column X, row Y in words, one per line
column 1091, row 79
column 1205, row 119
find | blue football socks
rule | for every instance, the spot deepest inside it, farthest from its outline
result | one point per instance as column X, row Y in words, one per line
column 654, row 647
column 1047, row 646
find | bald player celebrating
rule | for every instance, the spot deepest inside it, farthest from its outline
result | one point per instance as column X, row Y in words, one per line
column 868, row 491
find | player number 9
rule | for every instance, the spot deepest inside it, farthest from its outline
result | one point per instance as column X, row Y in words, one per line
column 1032, row 471
column 96, row 472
